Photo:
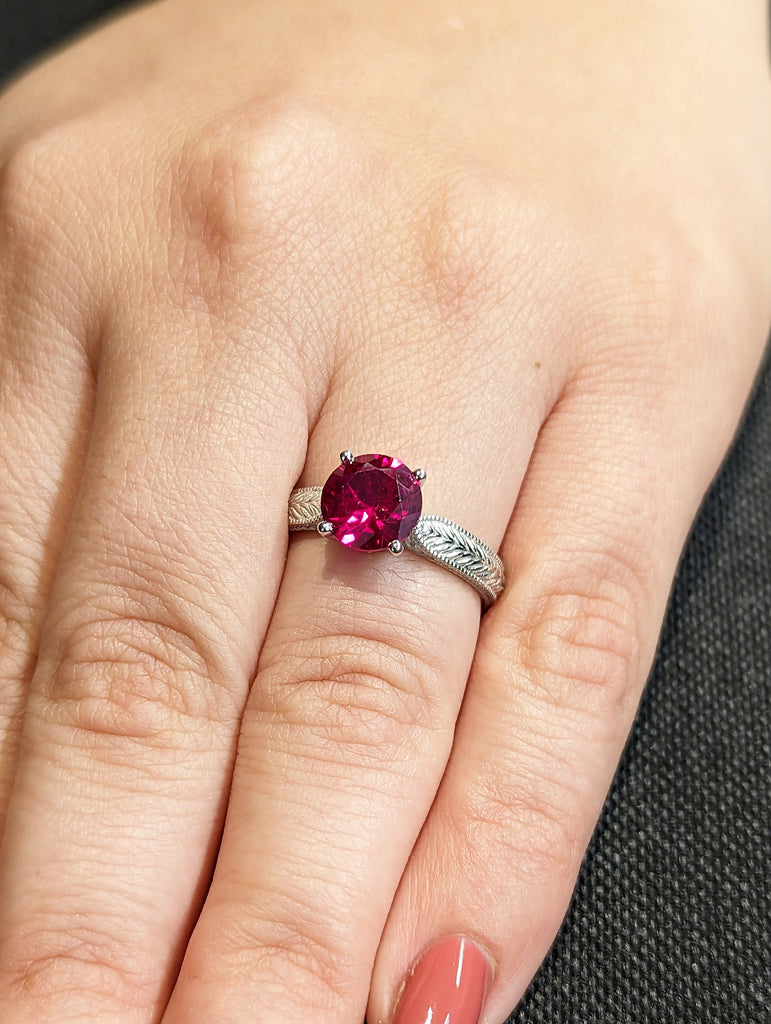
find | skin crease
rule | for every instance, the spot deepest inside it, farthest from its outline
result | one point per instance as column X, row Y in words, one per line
column 524, row 248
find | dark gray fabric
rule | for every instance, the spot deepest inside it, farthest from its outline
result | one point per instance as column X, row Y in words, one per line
column 670, row 920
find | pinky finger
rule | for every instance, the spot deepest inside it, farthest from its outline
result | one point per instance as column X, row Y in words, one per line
column 561, row 661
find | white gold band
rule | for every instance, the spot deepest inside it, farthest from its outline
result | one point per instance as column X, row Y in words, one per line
column 435, row 538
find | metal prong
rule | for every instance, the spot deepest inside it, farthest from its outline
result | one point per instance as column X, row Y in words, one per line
column 396, row 547
column 420, row 475
column 325, row 528
column 346, row 456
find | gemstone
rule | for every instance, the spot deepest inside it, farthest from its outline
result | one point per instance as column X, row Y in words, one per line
column 371, row 501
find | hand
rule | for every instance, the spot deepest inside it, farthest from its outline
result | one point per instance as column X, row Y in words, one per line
column 520, row 249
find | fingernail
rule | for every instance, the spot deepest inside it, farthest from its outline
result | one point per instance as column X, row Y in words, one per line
column 446, row 986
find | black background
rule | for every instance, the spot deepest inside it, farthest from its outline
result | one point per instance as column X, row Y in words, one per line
column 670, row 919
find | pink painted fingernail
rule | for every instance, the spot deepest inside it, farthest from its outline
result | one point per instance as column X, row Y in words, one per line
column 446, row 986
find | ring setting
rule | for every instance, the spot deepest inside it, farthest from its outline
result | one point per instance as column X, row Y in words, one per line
column 375, row 503
column 371, row 502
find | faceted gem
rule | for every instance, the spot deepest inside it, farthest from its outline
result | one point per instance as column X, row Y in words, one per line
column 371, row 501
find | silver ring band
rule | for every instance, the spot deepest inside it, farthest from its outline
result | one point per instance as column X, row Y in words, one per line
column 435, row 538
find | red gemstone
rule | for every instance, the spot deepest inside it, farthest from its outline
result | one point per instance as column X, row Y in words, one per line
column 371, row 501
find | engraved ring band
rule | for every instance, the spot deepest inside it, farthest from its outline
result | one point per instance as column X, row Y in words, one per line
column 374, row 503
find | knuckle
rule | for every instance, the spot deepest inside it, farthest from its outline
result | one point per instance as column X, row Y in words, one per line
column 49, row 235
column 31, row 183
column 470, row 250
column 297, row 156
column 351, row 692
column 23, row 177
column 129, row 679
column 252, row 191
column 572, row 648
column 527, row 817
column 17, row 640
column 15, row 616
column 17, row 657
column 578, row 643
column 295, row 950
column 79, row 961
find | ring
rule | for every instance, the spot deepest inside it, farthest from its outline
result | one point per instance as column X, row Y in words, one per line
column 374, row 503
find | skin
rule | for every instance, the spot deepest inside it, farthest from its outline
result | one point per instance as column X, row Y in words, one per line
column 523, row 248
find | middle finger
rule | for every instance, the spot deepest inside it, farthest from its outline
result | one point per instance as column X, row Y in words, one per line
column 166, row 582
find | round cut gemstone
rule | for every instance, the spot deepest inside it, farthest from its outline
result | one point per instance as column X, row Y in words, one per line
column 371, row 501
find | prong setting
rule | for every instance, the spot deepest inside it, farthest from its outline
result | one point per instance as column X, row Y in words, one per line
column 373, row 503
column 370, row 501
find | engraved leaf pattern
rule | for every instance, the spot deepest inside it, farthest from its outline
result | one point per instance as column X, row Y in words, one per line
column 438, row 539
column 304, row 508
column 448, row 544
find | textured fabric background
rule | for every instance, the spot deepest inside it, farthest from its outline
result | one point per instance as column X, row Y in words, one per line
column 671, row 917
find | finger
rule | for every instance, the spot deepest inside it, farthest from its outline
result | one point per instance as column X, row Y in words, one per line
column 45, row 399
column 166, row 583
column 46, row 391
column 592, row 548
column 351, row 715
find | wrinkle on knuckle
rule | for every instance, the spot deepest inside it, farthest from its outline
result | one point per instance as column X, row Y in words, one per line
column 577, row 646
column 15, row 616
column 12, row 697
column 351, row 691
column 294, row 948
column 17, row 660
column 128, row 679
column 19, row 616
column 528, row 818
column 78, row 960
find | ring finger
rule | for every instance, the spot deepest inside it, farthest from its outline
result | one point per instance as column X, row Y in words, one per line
column 351, row 715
